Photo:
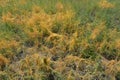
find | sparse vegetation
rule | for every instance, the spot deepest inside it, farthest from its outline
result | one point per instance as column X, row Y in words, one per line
column 59, row 40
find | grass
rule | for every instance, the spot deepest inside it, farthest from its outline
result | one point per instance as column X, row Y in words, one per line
column 59, row 40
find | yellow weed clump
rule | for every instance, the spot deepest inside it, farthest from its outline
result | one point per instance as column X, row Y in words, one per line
column 8, row 44
column 3, row 61
column 59, row 6
column 22, row 2
column 105, row 4
column 13, row 18
column 97, row 30
column 72, row 41
column 8, row 17
column 39, row 17
column 32, row 65
column 35, row 58
column 39, row 22
column 112, row 67
column 3, row 3
column 117, row 43
column 64, row 16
